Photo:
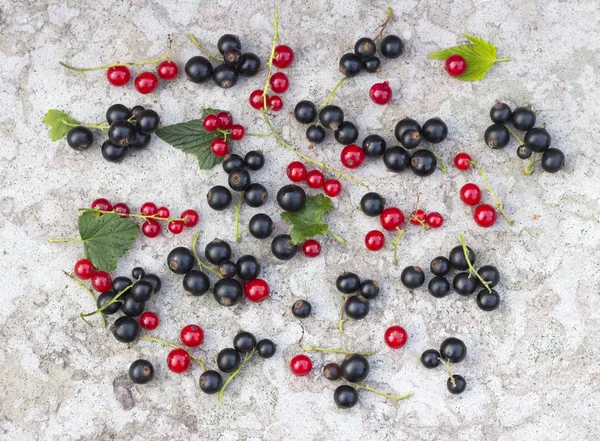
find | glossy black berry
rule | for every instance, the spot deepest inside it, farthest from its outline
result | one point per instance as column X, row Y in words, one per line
column 374, row 145
column 218, row 197
column 261, row 226
column 228, row 292
column 239, row 179
column 412, row 277
column 397, row 159
column 350, row 64
column 254, row 160
column 365, row 48
column 266, row 348
column 249, row 66
column 196, row 283
column 423, row 162
column 372, row 204
column 332, row 371
column 148, row 122
column 405, row 124
column 106, row 297
column 369, row 289
column 248, row 267
column 346, row 133
column 463, row 284
column 217, row 251
column 315, row 134
column 440, row 266
column 331, row 117
column 301, row 308
column 233, row 57
column 438, row 287
column 355, row 368
column 136, row 111
column 140, row 141
column 141, row 371
column 347, row 283
column 117, row 112
column 345, row 396
column 154, row 280
column 125, row 329
column 121, row 133
column 291, row 197
column 228, row 360
column 457, row 258
column 410, row 139
column 198, row 70
column 500, row 113
column 496, row 136
column 180, row 260
column 228, row 41
column 130, row 306
column 391, row 46
column 233, row 162
column 211, row 382
column 244, row 342
column 372, row 65
column 305, row 112
column 458, row 386
column 537, row 139
column 80, row 138
column 256, row 195
column 120, row 283
column 523, row 118
column 434, row 130
column 138, row 272
column 488, row 301
column 553, row 160
column 357, row 307
column 225, row 76
column 113, row 152
column 283, row 248
column 488, row 273
column 141, row 291
column 524, row 152
column 228, row 269
column 430, row 358
column 453, row 350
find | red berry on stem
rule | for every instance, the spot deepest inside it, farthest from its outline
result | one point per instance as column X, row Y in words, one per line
column 374, row 240
column 417, row 217
column 257, row 99
column 122, row 209
column 284, row 56
column 315, row 179
column 146, row 82
column 395, row 337
column 470, row 194
column 462, row 161
column 226, row 120
column 381, row 93
column 485, row 215
column 237, row 132
column 118, row 75
column 391, row 218
column 279, row 82
column 101, row 281
column 148, row 209
column 149, row 321
column 167, row 70
column 163, row 212
column 456, row 65
column 296, row 171
column 176, row 226
column 211, row 123
column 311, row 248
column 84, row 269
column 191, row 336
column 434, row 219
column 275, row 103
column 178, row 360
column 190, row 218
column 352, row 156
column 256, row 290
column 151, row 228
column 301, row 365
column 332, row 187
column 102, row 204
column 219, row 147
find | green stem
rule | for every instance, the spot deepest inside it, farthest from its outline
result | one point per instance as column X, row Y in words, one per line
column 138, row 215
column 198, row 261
column 271, row 57
column 258, row 134
column 499, row 60
column 396, row 242
column 513, row 133
column 336, row 237
column 65, row 240
column 385, row 23
column 335, row 351
column 440, row 160
column 80, row 283
column 332, row 93
column 341, row 319
column 118, row 63
column 529, row 169
column 171, row 345
column 92, row 126
column 195, row 42
column 110, row 302
column 491, row 191
column 247, row 357
column 238, row 207
column 378, row 392
column 448, row 370
column 472, row 270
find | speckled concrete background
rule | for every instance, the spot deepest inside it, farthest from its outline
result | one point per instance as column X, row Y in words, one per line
column 532, row 367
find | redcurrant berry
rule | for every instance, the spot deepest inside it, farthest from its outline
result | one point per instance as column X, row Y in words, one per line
column 456, row 65
column 226, row 120
column 237, row 132
column 146, row 82
column 381, row 93
column 219, row 147
column 279, row 82
column 434, row 219
column 192, row 336
column 148, row 209
column 256, row 290
column 163, row 212
column 395, row 337
column 391, row 218
column 149, row 320
column 167, row 69
column 374, row 240
column 84, row 269
column 485, row 215
column 296, row 171
column 275, row 103
column 101, row 281
column 352, row 156
column 332, row 187
column 122, row 209
column 418, row 217
column 178, row 360
column 462, row 161
column 176, row 226
column 470, row 194
column 118, row 75
column 151, row 228
column 301, row 365
column 190, row 218
column 102, row 204
column 284, row 56
column 257, row 99
column 211, row 123
column 311, row 248
column 315, row 179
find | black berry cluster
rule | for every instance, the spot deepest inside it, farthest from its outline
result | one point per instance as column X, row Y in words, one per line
column 452, row 350
column 329, row 117
column 365, row 55
column 357, row 293
column 354, row 369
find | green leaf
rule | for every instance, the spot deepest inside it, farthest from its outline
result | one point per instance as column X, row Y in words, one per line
column 106, row 237
column 308, row 222
column 190, row 137
column 480, row 57
column 54, row 118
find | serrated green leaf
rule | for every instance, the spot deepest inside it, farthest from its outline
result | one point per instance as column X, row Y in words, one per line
column 58, row 129
column 106, row 237
column 308, row 222
column 190, row 137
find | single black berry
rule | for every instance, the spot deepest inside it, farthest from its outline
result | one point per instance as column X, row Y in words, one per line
column 136, row 111
column 121, row 133
column 347, row 283
column 365, row 48
column 218, row 198
column 369, row 289
column 524, row 152
column 233, row 57
column 355, row 368
column 154, row 280
column 140, row 141
column 412, row 277
column 440, row 266
column 305, row 112
column 291, row 197
column 488, row 301
column 255, row 195
column 248, row 267
column 239, row 179
column 410, row 139
column 211, row 382
column 228, row 292
column 261, row 226
column 113, row 152
column 332, row 371
column 331, row 116
column 141, row 371
column 117, row 112
column 458, row 386
column 357, row 307
column 553, row 160
column 125, row 329
column 301, row 308
column 464, row 284
column 141, row 291
column 138, row 272
column 350, row 64
column 434, row 130
column 80, row 138
column 423, row 162
column 283, row 247
column 180, row 260
column 458, row 260
column 106, row 297
column 345, row 396
column 254, row 160
column 405, row 124
column 228, row 41
column 453, row 350
column 266, row 348
column 198, row 70
column 244, row 342
column 346, row 133
column 233, row 162
column 315, row 134
column 372, row 204
column 228, row 269
column 130, row 306
column 217, row 251
column 438, row 287
column 397, row 159
column 523, row 118
column 496, row 136
column 488, row 273
column 537, row 139
column 430, row 358
column 225, row 76
column 228, row 360
column 500, row 113
column 374, row 145
column 120, row 283
column 196, row 283
column 372, row 65
column 148, row 122
column 249, row 66
column 391, row 46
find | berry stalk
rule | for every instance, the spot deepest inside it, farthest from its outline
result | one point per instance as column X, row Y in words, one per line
column 247, row 357
column 341, row 319
column 115, row 299
column 238, row 207
column 395, row 243
column 491, row 191
column 80, row 283
column 443, row 168
column 335, row 351
column 529, row 169
column 378, row 392
column 447, row 367
column 92, row 126
column 172, row 345
column 198, row 261
column 271, row 57
column 472, row 270
column 332, row 93
column 138, row 215
column 384, row 24
column 195, row 42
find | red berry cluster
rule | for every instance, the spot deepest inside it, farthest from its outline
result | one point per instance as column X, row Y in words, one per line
column 485, row 215
column 297, row 172
column 179, row 359
column 223, row 123
column 278, row 82
column 145, row 82
column 101, row 281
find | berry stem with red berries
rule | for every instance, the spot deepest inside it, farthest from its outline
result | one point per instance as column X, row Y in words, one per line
column 491, row 191
column 246, row 358
column 209, row 55
column 383, row 394
column 138, row 215
column 529, row 169
column 382, row 27
column 271, row 57
column 472, row 270
column 172, row 345
column 198, row 261
column 80, row 283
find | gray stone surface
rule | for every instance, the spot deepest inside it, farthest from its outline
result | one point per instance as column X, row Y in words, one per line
column 532, row 367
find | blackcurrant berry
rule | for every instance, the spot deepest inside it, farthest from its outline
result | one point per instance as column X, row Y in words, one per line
column 138, row 272
column 488, row 301
column 357, row 307
column 391, row 47
column 430, row 358
column 141, row 291
column 228, row 292
column 369, row 289
column 315, row 134
column 154, row 280
column 524, row 152
column 180, row 260
column 412, row 277
column 130, row 306
column 248, row 267
column 141, row 371
column 228, row 269
column 239, row 179
column 347, row 283
column 225, row 76
column 488, row 273
column 198, row 70
column 136, row 111
column 500, row 113
column 397, row 159
column 113, row 152
column 261, row 226
column 440, row 266
column 254, row 160
column 434, row 130
column 141, row 140
column 218, row 198
column 249, row 66
column 331, row 117
column 196, row 283
column 365, row 48
column 301, row 308
column 211, row 382
column 410, row 139
column 438, row 287
column 423, row 162
column 291, row 197
column 266, row 348
column 106, row 297
column 148, row 122
column 255, row 195
column 121, row 133
column 117, row 112
column 228, row 360
column 457, row 258
column 244, row 342
column 305, row 112
column 228, row 41
column 217, row 251
column 523, row 118
column 453, row 350
column 496, row 136
column 120, row 283
column 233, row 162
column 125, row 329
column 464, row 284
column 553, row 160
column 372, row 204
column 332, row 371
column 458, row 386
column 80, row 138
column 233, row 57
column 405, row 124
column 537, row 139
column 374, row 145
column 350, row 64
column 372, row 65
column 345, row 396
column 355, row 368
column 283, row 247
column 346, row 133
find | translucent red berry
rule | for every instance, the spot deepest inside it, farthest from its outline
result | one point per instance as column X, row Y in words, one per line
column 395, row 337
column 191, row 336
column 163, row 212
column 470, row 194
column 352, row 156
column 332, row 187
column 462, row 161
column 311, row 248
column 284, row 56
column 101, row 281
column 122, row 209
column 190, row 218
column 456, row 65
column 167, row 69
column 417, row 217
column 178, row 360
column 146, row 82
column 301, row 365
column 237, row 132
column 149, row 321
column 391, row 218
column 102, row 204
column 485, row 215
column 279, row 82
column 381, row 93
column 256, row 290
column 176, row 226
column 151, row 228
column 211, row 123
column 226, row 120
column 84, row 269
column 374, row 240
column 118, row 75
column 219, row 147
column 257, row 99
column 434, row 219
column 275, row 103
column 148, row 209
column 315, row 179
column 296, row 171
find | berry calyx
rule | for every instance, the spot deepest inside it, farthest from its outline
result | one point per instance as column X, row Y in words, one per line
column 470, row 194
column 148, row 209
column 275, row 103
column 381, row 93
column 301, row 365
column 101, row 281
column 315, row 179
column 456, row 65
column 352, row 156
column 485, row 215
column 149, row 321
column 146, row 82
column 374, row 240
column 284, row 56
column 391, row 218
column 118, row 75
column 256, row 290
column 296, row 171
column 257, row 100
column 462, row 161
column 311, row 248
column 167, row 69
column 102, row 204
column 84, row 269
column 434, row 219
column 151, row 228
column 176, row 226
column 332, row 187
column 395, row 337
column 279, row 82
column 190, row 218
column 237, row 132
column 178, row 360
column 211, row 123
column 191, row 335
column 219, row 147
